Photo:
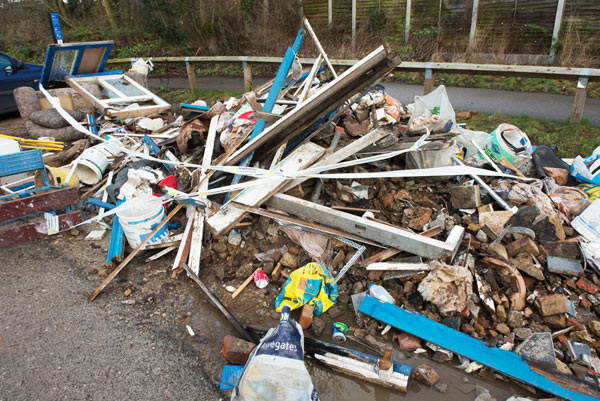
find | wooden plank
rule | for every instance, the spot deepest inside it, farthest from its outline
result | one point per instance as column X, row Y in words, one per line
column 315, row 39
column 247, row 77
column 398, row 266
column 244, row 284
column 199, row 218
column 42, row 202
column 345, row 152
column 386, row 235
column 184, row 240
column 28, row 231
column 505, row 362
column 409, row 66
column 362, row 74
column 379, row 256
column 191, row 75
column 303, row 223
column 129, row 257
column 228, row 215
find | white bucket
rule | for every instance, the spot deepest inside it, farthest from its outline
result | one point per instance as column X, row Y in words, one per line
column 91, row 166
column 139, row 217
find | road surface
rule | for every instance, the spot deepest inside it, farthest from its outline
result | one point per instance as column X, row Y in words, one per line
column 542, row 106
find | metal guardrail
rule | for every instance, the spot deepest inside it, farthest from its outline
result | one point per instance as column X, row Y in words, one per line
column 582, row 75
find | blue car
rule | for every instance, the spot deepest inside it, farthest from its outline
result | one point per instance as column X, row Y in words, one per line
column 13, row 74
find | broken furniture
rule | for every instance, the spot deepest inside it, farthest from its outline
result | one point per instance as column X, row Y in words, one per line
column 20, row 217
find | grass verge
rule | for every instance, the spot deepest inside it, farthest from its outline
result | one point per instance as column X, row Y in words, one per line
column 556, row 86
column 177, row 96
column 570, row 139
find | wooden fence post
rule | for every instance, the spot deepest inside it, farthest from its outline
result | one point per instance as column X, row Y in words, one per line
column 580, row 94
column 247, row 76
column 473, row 31
column 428, row 84
column 191, row 74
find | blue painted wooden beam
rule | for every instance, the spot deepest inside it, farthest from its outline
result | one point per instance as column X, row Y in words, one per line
column 505, row 362
column 278, row 82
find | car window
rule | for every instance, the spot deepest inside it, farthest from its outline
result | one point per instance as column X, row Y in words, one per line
column 4, row 62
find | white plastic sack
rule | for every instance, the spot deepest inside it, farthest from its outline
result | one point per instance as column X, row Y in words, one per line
column 423, row 116
column 587, row 170
column 470, row 153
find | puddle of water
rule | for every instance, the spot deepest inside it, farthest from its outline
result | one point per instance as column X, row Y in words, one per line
column 210, row 327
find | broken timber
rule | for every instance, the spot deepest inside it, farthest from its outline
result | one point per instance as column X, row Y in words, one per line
column 228, row 215
column 505, row 362
column 199, row 216
column 386, row 235
column 361, row 75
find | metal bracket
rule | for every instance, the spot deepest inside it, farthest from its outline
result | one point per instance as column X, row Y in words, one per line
column 187, row 62
column 428, row 71
column 583, row 78
column 244, row 62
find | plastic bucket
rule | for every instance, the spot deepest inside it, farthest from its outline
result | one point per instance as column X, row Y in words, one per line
column 91, row 166
column 508, row 142
column 139, row 217
column 58, row 175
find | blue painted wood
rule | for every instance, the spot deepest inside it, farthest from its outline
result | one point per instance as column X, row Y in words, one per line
column 49, row 69
column 278, row 82
column 194, row 107
column 505, row 362
column 155, row 150
column 22, row 162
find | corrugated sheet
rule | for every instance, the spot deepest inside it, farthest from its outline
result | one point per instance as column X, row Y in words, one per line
column 523, row 26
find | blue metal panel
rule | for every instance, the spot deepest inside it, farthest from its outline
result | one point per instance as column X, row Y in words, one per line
column 505, row 362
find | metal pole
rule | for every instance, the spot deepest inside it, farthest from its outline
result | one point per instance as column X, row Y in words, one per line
column 330, row 12
column 560, row 8
column 473, row 22
column 353, row 26
column 407, row 25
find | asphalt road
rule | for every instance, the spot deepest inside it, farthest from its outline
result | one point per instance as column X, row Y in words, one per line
column 56, row 346
column 542, row 106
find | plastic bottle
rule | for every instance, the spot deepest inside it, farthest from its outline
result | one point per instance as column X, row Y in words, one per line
column 380, row 293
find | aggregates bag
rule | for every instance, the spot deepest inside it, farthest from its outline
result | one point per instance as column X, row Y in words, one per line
column 275, row 370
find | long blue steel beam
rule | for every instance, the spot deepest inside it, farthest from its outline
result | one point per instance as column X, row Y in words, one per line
column 505, row 362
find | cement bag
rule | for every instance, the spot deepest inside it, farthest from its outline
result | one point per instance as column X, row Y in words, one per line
column 433, row 111
column 275, row 370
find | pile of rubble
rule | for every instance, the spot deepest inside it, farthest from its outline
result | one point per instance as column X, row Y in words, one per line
column 479, row 232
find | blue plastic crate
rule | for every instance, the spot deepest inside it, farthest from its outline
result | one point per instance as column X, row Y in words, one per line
column 21, row 162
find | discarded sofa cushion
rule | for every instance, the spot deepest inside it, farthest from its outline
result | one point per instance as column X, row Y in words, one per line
column 51, row 118
column 66, row 134
column 26, row 100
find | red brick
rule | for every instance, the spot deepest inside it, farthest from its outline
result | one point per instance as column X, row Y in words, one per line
column 236, row 350
column 306, row 317
column 587, row 286
column 408, row 341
